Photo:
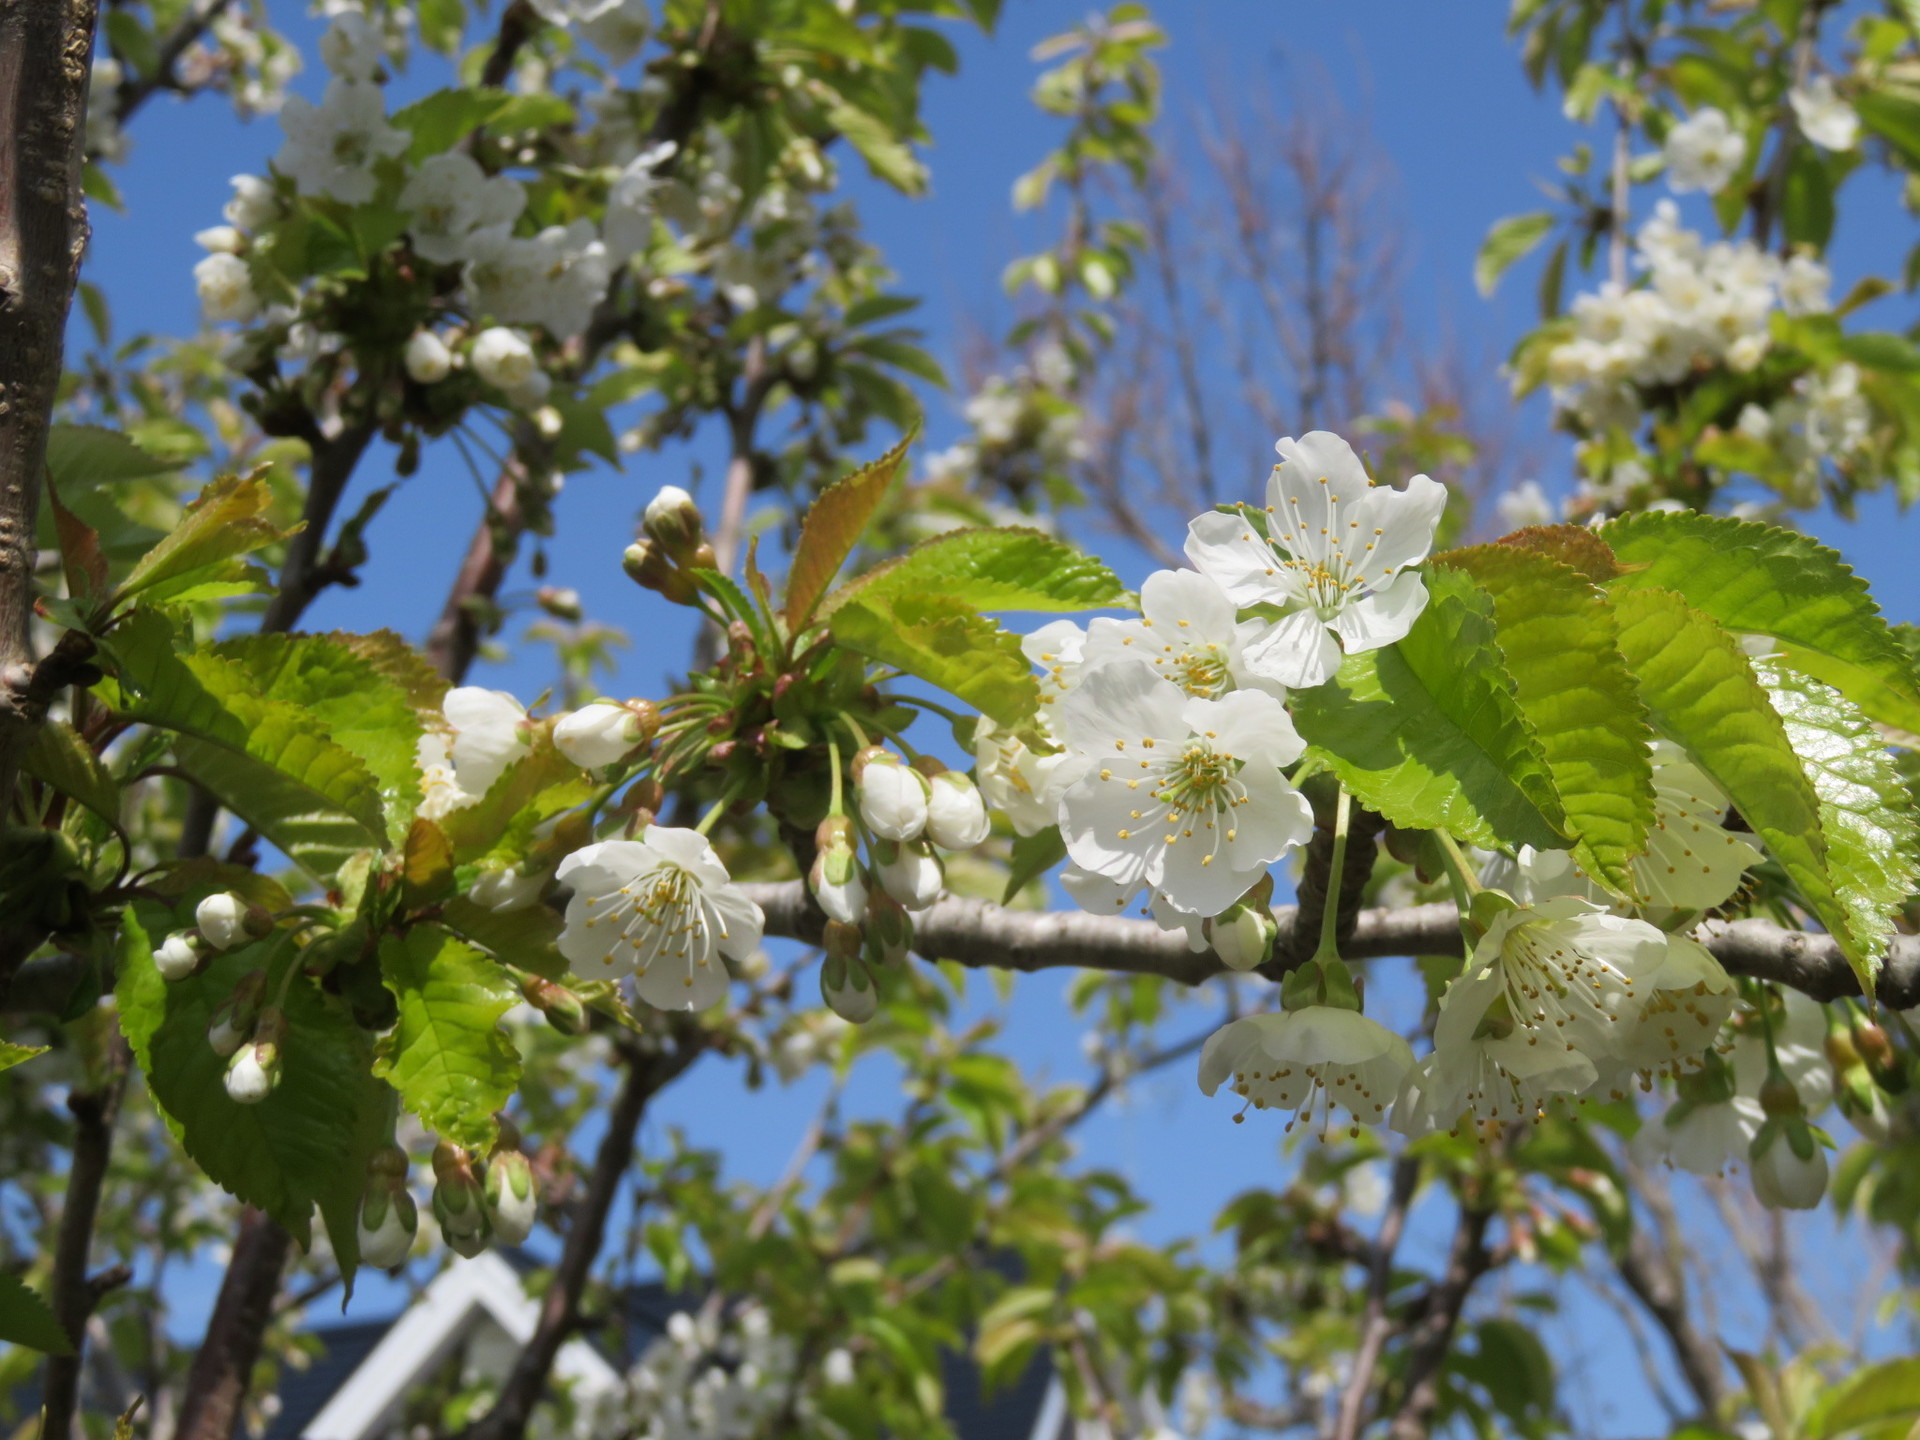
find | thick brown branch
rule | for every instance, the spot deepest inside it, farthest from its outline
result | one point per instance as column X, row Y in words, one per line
column 526, row 1383
column 1431, row 1335
column 977, row 933
column 46, row 57
column 302, row 577
column 75, row 1292
column 455, row 637
column 223, row 1367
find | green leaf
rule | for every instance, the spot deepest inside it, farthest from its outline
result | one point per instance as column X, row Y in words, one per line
column 26, row 1319
column 945, row 643
column 1561, row 645
column 82, row 456
column 268, row 761
column 228, row 520
column 999, row 569
column 1703, row 694
column 886, row 155
column 12, row 1055
column 56, row 755
column 832, row 527
column 1889, row 1391
column 439, row 121
column 1806, row 210
column 307, row 1143
column 1429, row 731
column 1770, row 581
column 1894, row 118
column 395, row 660
column 1866, row 812
column 356, row 706
column 1033, row 856
column 523, row 938
column 1509, row 241
column 447, row 1056
column 542, row 782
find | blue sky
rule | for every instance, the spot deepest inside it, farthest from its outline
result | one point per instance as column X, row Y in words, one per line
column 1441, row 92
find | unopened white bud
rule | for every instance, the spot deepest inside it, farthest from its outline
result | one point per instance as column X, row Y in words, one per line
column 913, row 876
column 254, row 203
column 389, row 1220
column 848, row 989
column 249, row 1079
column 427, row 358
column 599, row 734
column 220, row 240
column 222, row 919
column 846, row 900
column 177, row 957
column 1789, row 1166
column 512, row 1205
column 503, row 358
column 893, row 800
column 226, row 289
column 1243, row 937
column 956, row 815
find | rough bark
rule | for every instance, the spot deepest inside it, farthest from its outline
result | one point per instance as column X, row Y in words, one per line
column 223, row 1367
column 46, row 57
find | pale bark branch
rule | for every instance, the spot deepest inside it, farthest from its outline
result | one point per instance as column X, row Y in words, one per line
column 980, row 934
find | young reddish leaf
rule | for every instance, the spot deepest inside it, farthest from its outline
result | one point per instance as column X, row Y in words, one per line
column 832, row 528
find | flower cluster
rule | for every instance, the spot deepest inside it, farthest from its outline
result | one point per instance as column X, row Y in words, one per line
column 712, row 1377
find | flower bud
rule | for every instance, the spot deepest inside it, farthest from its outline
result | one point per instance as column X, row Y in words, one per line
column 236, row 1018
column 255, row 1067
column 179, row 956
column 844, row 900
column 647, row 565
column 565, row 1011
column 1881, row 1059
column 889, row 927
column 912, row 875
column 388, row 1217
column 427, row 358
column 1243, row 937
column 848, row 989
column 459, row 1203
column 956, row 815
column 672, row 521
column 504, row 891
column 220, row 240
column 225, row 920
column 504, row 359
column 512, row 1205
column 599, row 734
column 893, row 798
column 1789, row 1166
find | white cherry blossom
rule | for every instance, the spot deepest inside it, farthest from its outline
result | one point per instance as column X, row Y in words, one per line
column 618, row 28
column 1703, row 151
column 450, row 197
column 1334, row 559
column 255, row 203
column 1181, row 794
column 1018, row 781
column 1310, row 1061
column 489, row 734
column 662, row 909
column 1187, row 632
column 1691, row 861
column 1826, row 119
column 1540, row 1001
column 353, row 46
column 226, row 289
column 503, row 358
column 331, row 147
column 427, row 358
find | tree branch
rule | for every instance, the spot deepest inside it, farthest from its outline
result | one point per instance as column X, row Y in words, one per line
column 302, row 578
column 137, row 89
column 1377, row 1325
column 983, row 935
column 1431, row 1335
column 223, row 1366
column 75, row 1293
column 46, row 56
column 526, row 1383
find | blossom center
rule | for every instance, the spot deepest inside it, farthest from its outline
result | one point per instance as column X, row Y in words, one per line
column 1201, row 670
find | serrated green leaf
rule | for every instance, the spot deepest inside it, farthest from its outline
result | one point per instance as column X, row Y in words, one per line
column 440, row 120
column 226, row 521
column 1702, row 693
column 523, row 938
column 1770, row 581
column 947, row 644
column 268, row 761
column 26, row 1319
column 1889, row 1391
column 886, row 155
column 1508, row 242
column 425, row 687
column 82, row 456
column 1561, row 645
column 1428, row 731
column 1001, row 569
column 56, row 755
column 832, row 527
column 307, row 1143
column 447, row 1056
column 359, row 708
column 1866, row 813
column 542, row 782
column 12, row 1055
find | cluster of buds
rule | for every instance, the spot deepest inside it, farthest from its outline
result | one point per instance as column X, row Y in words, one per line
column 221, row 922
column 254, row 1068
column 388, row 1217
column 477, row 1202
column 674, row 541
column 904, row 811
column 1867, row 1067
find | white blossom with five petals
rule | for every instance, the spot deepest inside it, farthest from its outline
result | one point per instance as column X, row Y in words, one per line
column 1334, row 559
column 1187, row 632
column 1309, row 1061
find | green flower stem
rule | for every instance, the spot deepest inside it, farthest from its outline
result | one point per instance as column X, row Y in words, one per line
column 835, row 805
column 1328, row 951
